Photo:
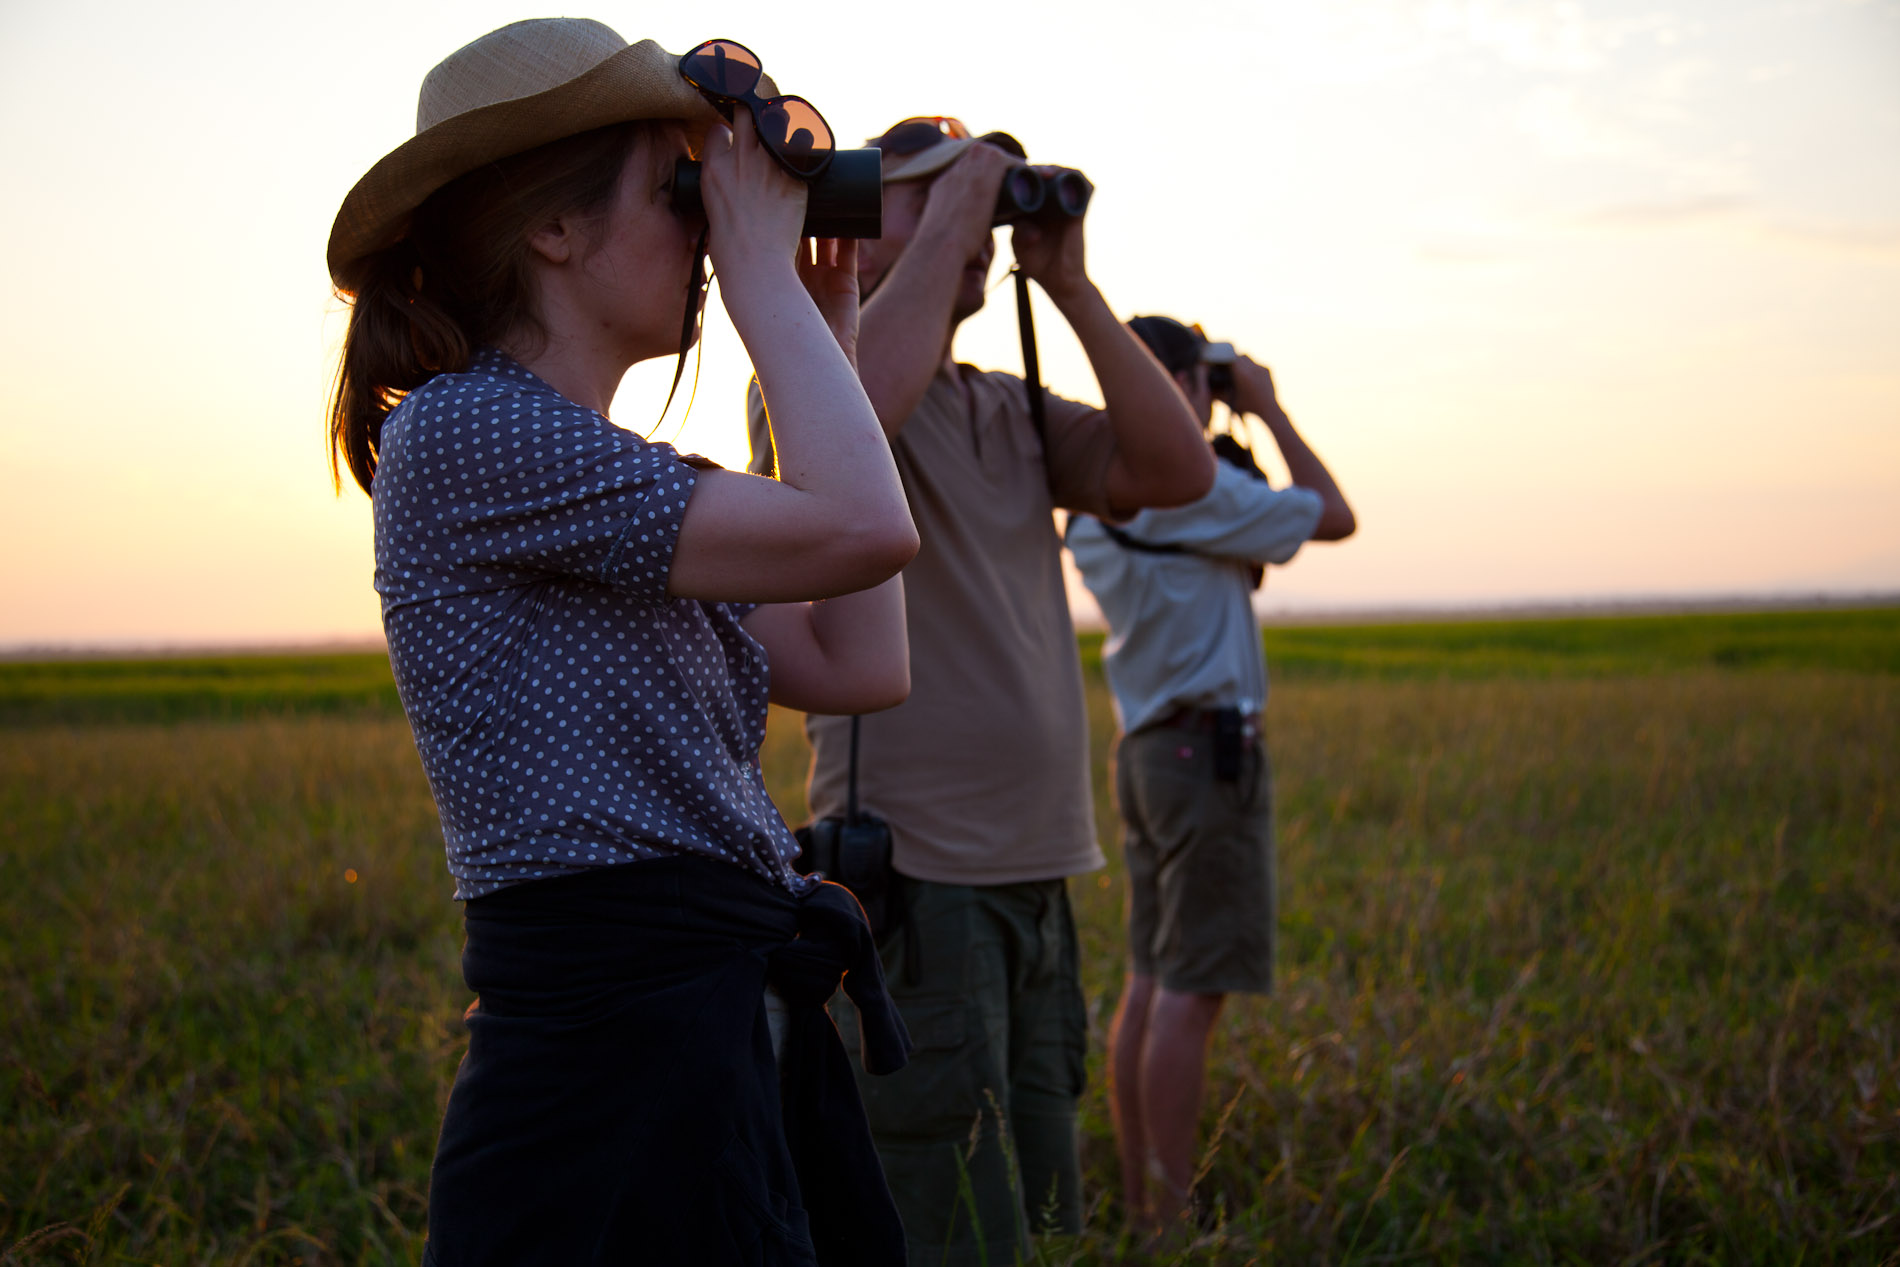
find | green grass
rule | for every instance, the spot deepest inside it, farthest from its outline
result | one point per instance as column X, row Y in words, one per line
column 187, row 687
column 240, row 686
column 1587, row 958
column 1853, row 641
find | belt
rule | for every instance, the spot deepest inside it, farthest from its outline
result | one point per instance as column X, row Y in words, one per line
column 1206, row 719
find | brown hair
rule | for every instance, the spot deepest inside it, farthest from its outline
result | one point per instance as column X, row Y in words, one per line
column 461, row 278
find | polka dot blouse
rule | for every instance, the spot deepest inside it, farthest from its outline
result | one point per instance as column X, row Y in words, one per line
column 569, row 714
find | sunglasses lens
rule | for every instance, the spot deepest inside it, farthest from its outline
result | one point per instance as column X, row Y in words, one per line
column 797, row 133
column 722, row 67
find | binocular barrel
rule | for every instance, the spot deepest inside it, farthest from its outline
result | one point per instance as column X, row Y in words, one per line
column 845, row 201
column 1028, row 195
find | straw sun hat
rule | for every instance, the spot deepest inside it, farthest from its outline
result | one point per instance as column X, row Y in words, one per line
column 524, row 85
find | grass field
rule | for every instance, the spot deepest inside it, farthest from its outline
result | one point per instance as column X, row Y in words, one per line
column 1590, row 951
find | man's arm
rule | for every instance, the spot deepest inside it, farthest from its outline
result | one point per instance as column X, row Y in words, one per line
column 905, row 332
column 1254, row 393
column 1161, row 458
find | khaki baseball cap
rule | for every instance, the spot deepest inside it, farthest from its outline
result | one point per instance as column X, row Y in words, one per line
column 911, row 152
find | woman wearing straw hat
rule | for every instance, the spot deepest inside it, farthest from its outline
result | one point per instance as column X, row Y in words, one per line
column 581, row 624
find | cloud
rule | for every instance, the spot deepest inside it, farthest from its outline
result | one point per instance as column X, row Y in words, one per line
column 1879, row 240
column 1459, row 251
column 1869, row 240
column 1668, row 212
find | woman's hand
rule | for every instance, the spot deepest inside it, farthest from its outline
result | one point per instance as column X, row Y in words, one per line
column 755, row 208
column 829, row 269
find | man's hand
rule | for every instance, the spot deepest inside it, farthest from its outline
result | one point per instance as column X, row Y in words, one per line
column 1050, row 252
column 1253, row 388
column 1254, row 393
column 829, row 269
column 963, row 198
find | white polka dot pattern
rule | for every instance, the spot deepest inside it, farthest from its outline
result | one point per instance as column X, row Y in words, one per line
column 569, row 714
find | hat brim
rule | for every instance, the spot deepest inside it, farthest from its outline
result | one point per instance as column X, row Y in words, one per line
column 641, row 81
column 926, row 162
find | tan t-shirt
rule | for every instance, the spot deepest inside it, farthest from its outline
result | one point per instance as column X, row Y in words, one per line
column 983, row 772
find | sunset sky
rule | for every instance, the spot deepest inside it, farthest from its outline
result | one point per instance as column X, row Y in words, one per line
column 1579, row 301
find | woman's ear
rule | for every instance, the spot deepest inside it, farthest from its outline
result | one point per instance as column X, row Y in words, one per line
column 554, row 241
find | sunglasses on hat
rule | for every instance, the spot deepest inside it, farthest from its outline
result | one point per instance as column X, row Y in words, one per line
column 790, row 128
column 919, row 132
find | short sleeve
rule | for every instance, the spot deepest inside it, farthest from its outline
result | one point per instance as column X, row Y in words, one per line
column 584, row 498
column 502, row 480
column 1078, row 445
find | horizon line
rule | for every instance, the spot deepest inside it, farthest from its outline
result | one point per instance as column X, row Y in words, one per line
column 1370, row 613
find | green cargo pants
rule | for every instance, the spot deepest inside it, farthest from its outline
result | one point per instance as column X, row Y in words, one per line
column 978, row 1133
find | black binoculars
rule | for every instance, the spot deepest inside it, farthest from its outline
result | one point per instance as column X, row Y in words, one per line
column 1029, row 195
column 845, row 201
column 847, row 198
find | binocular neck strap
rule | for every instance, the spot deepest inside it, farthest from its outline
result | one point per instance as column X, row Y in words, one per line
column 695, row 304
column 851, row 785
column 1032, row 367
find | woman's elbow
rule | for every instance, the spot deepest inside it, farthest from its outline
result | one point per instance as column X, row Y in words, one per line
column 874, row 552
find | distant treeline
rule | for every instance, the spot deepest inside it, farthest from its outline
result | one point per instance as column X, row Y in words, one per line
column 240, row 686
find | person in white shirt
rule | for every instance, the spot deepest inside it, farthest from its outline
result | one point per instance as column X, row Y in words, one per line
column 1189, row 681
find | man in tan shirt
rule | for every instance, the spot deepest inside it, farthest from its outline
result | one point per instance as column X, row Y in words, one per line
column 983, row 772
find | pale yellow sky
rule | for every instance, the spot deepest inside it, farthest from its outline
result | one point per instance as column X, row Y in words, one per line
column 1579, row 300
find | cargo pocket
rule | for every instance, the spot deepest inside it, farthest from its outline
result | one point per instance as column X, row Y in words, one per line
column 953, row 1076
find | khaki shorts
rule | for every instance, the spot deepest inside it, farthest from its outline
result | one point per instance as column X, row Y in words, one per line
column 1201, row 898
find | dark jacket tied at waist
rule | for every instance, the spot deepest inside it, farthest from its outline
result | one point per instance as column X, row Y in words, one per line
column 619, row 1102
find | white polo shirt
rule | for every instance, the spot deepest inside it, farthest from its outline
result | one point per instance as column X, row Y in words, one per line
column 1182, row 632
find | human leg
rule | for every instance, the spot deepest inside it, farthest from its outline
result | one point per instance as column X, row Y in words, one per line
column 1127, row 1034
column 941, row 1123
column 1201, row 919
column 1048, row 1051
column 1172, row 1080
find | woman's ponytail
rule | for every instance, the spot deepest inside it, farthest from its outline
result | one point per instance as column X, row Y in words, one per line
column 400, row 336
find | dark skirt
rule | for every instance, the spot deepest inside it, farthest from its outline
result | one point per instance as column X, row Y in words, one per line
column 619, row 1102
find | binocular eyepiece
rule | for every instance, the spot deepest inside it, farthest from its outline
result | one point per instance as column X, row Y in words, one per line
column 1219, row 359
column 1029, row 195
column 845, row 201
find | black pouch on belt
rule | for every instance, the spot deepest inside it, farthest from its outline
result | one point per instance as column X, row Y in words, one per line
column 856, row 852
column 854, row 849
column 1230, row 741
